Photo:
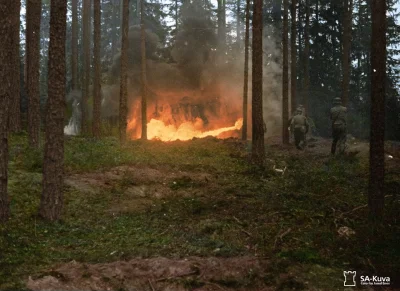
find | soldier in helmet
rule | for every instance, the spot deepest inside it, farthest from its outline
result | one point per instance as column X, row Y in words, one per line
column 299, row 125
column 338, row 118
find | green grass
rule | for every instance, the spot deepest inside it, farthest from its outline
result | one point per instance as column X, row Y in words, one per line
column 244, row 214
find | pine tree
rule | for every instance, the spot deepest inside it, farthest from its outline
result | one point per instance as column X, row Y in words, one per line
column 124, row 73
column 86, row 65
column 97, row 70
column 246, row 70
column 306, row 84
column 15, row 111
column 74, row 45
column 347, row 21
column 53, row 164
column 293, row 61
column 376, row 197
column 114, row 28
column 143, row 74
column 258, row 151
column 8, row 21
column 238, row 20
column 285, row 74
column 33, row 16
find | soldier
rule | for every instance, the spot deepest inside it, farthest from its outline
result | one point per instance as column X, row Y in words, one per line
column 301, row 108
column 338, row 117
column 299, row 125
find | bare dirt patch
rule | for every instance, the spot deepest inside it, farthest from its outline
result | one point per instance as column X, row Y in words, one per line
column 138, row 186
column 239, row 273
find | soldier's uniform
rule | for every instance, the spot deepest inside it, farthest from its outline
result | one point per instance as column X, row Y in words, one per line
column 299, row 126
column 338, row 117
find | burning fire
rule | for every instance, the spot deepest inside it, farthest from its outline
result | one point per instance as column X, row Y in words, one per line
column 156, row 129
column 172, row 118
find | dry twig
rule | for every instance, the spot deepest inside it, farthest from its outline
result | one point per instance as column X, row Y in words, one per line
column 280, row 236
column 151, row 285
column 177, row 276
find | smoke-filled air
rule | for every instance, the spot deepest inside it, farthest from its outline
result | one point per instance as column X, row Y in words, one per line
column 189, row 145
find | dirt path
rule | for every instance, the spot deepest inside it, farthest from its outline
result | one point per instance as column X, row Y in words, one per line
column 158, row 274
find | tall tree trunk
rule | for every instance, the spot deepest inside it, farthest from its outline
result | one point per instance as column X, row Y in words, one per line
column 114, row 29
column 86, row 66
column 51, row 202
column 33, row 16
column 221, row 28
column 306, row 85
column 238, row 41
column 8, row 21
column 246, row 71
column 97, row 70
column 144, row 77
column 257, row 151
column 123, row 111
column 299, row 54
column 176, row 17
column 376, row 197
column 293, row 73
column 285, row 74
column 347, row 23
column 15, row 110
column 74, row 45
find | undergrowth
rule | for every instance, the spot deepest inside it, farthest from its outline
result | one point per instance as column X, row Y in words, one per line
column 293, row 219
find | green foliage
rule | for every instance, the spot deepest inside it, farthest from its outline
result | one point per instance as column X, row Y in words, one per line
column 235, row 214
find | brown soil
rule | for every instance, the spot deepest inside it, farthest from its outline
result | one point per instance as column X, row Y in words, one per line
column 192, row 273
column 142, row 184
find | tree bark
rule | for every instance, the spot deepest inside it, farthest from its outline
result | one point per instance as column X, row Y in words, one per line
column 33, row 16
column 74, row 45
column 347, row 22
column 238, row 41
column 285, row 74
column 124, row 73
column 53, row 165
column 15, row 110
column 176, row 17
column 221, row 28
column 114, row 29
column 293, row 73
column 97, row 70
column 246, row 71
column 376, row 197
column 143, row 75
column 306, row 86
column 257, row 151
column 86, row 66
column 8, row 21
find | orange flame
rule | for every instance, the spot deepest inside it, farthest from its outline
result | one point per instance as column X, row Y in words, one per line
column 156, row 129
column 176, row 119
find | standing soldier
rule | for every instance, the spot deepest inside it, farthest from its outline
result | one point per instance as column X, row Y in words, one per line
column 299, row 125
column 338, row 117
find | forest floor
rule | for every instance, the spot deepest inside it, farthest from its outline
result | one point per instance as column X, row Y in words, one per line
column 198, row 216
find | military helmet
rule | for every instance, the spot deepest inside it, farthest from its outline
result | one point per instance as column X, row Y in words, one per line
column 337, row 100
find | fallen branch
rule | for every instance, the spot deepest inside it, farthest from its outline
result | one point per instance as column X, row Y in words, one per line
column 246, row 232
column 215, row 285
column 178, row 276
column 151, row 285
column 237, row 220
column 241, row 228
column 359, row 207
column 280, row 236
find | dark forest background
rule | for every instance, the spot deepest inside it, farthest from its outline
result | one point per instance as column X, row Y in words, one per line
column 326, row 46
